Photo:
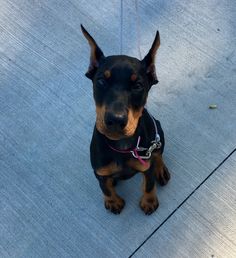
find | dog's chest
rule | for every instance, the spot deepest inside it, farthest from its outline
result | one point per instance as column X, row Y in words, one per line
column 131, row 167
column 125, row 169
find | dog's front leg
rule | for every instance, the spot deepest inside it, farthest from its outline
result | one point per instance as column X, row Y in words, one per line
column 112, row 200
column 149, row 202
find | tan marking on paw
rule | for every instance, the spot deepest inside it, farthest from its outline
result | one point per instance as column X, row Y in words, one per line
column 149, row 202
column 114, row 202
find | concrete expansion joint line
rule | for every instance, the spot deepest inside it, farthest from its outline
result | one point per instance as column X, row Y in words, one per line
column 181, row 204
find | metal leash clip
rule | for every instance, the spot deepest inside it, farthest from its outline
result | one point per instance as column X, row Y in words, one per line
column 156, row 144
column 141, row 157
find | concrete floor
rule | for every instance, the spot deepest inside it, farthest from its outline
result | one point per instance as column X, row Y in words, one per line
column 50, row 201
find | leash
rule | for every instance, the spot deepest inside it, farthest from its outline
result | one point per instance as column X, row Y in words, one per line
column 121, row 26
column 137, row 27
column 155, row 144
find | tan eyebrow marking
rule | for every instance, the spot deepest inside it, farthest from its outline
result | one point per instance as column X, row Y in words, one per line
column 133, row 77
column 107, row 74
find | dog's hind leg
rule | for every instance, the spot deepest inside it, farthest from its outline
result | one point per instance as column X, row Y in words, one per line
column 161, row 171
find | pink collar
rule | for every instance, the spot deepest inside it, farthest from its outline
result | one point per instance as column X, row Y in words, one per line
column 155, row 144
column 133, row 151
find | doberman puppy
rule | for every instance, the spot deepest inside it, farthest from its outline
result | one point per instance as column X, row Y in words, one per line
column 120, row 89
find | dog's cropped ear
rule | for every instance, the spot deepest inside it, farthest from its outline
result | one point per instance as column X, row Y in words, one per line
column 96, row 54
column 149, row 60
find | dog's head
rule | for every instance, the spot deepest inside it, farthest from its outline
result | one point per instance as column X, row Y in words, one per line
column 120, row 88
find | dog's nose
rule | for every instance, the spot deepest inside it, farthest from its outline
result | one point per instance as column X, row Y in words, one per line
column 116, row 121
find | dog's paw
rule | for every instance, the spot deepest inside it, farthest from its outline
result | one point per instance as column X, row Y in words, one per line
column 163, row 176
column 149, row 205
column 115, row 204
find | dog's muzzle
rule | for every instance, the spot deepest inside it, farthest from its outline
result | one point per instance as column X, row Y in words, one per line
column 116, row 121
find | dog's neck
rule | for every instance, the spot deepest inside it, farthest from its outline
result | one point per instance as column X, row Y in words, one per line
column 123, row 144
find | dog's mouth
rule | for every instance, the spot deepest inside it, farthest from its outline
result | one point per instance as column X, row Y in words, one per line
column 111, row 134
column 115, row 136
column 116, row 132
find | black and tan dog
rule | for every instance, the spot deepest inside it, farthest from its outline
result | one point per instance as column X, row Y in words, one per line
column 120, row 88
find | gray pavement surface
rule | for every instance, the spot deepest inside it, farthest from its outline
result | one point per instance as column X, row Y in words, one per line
column 50, row 201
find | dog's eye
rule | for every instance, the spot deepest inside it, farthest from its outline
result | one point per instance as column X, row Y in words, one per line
column 101, row 83
column 137, row 87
